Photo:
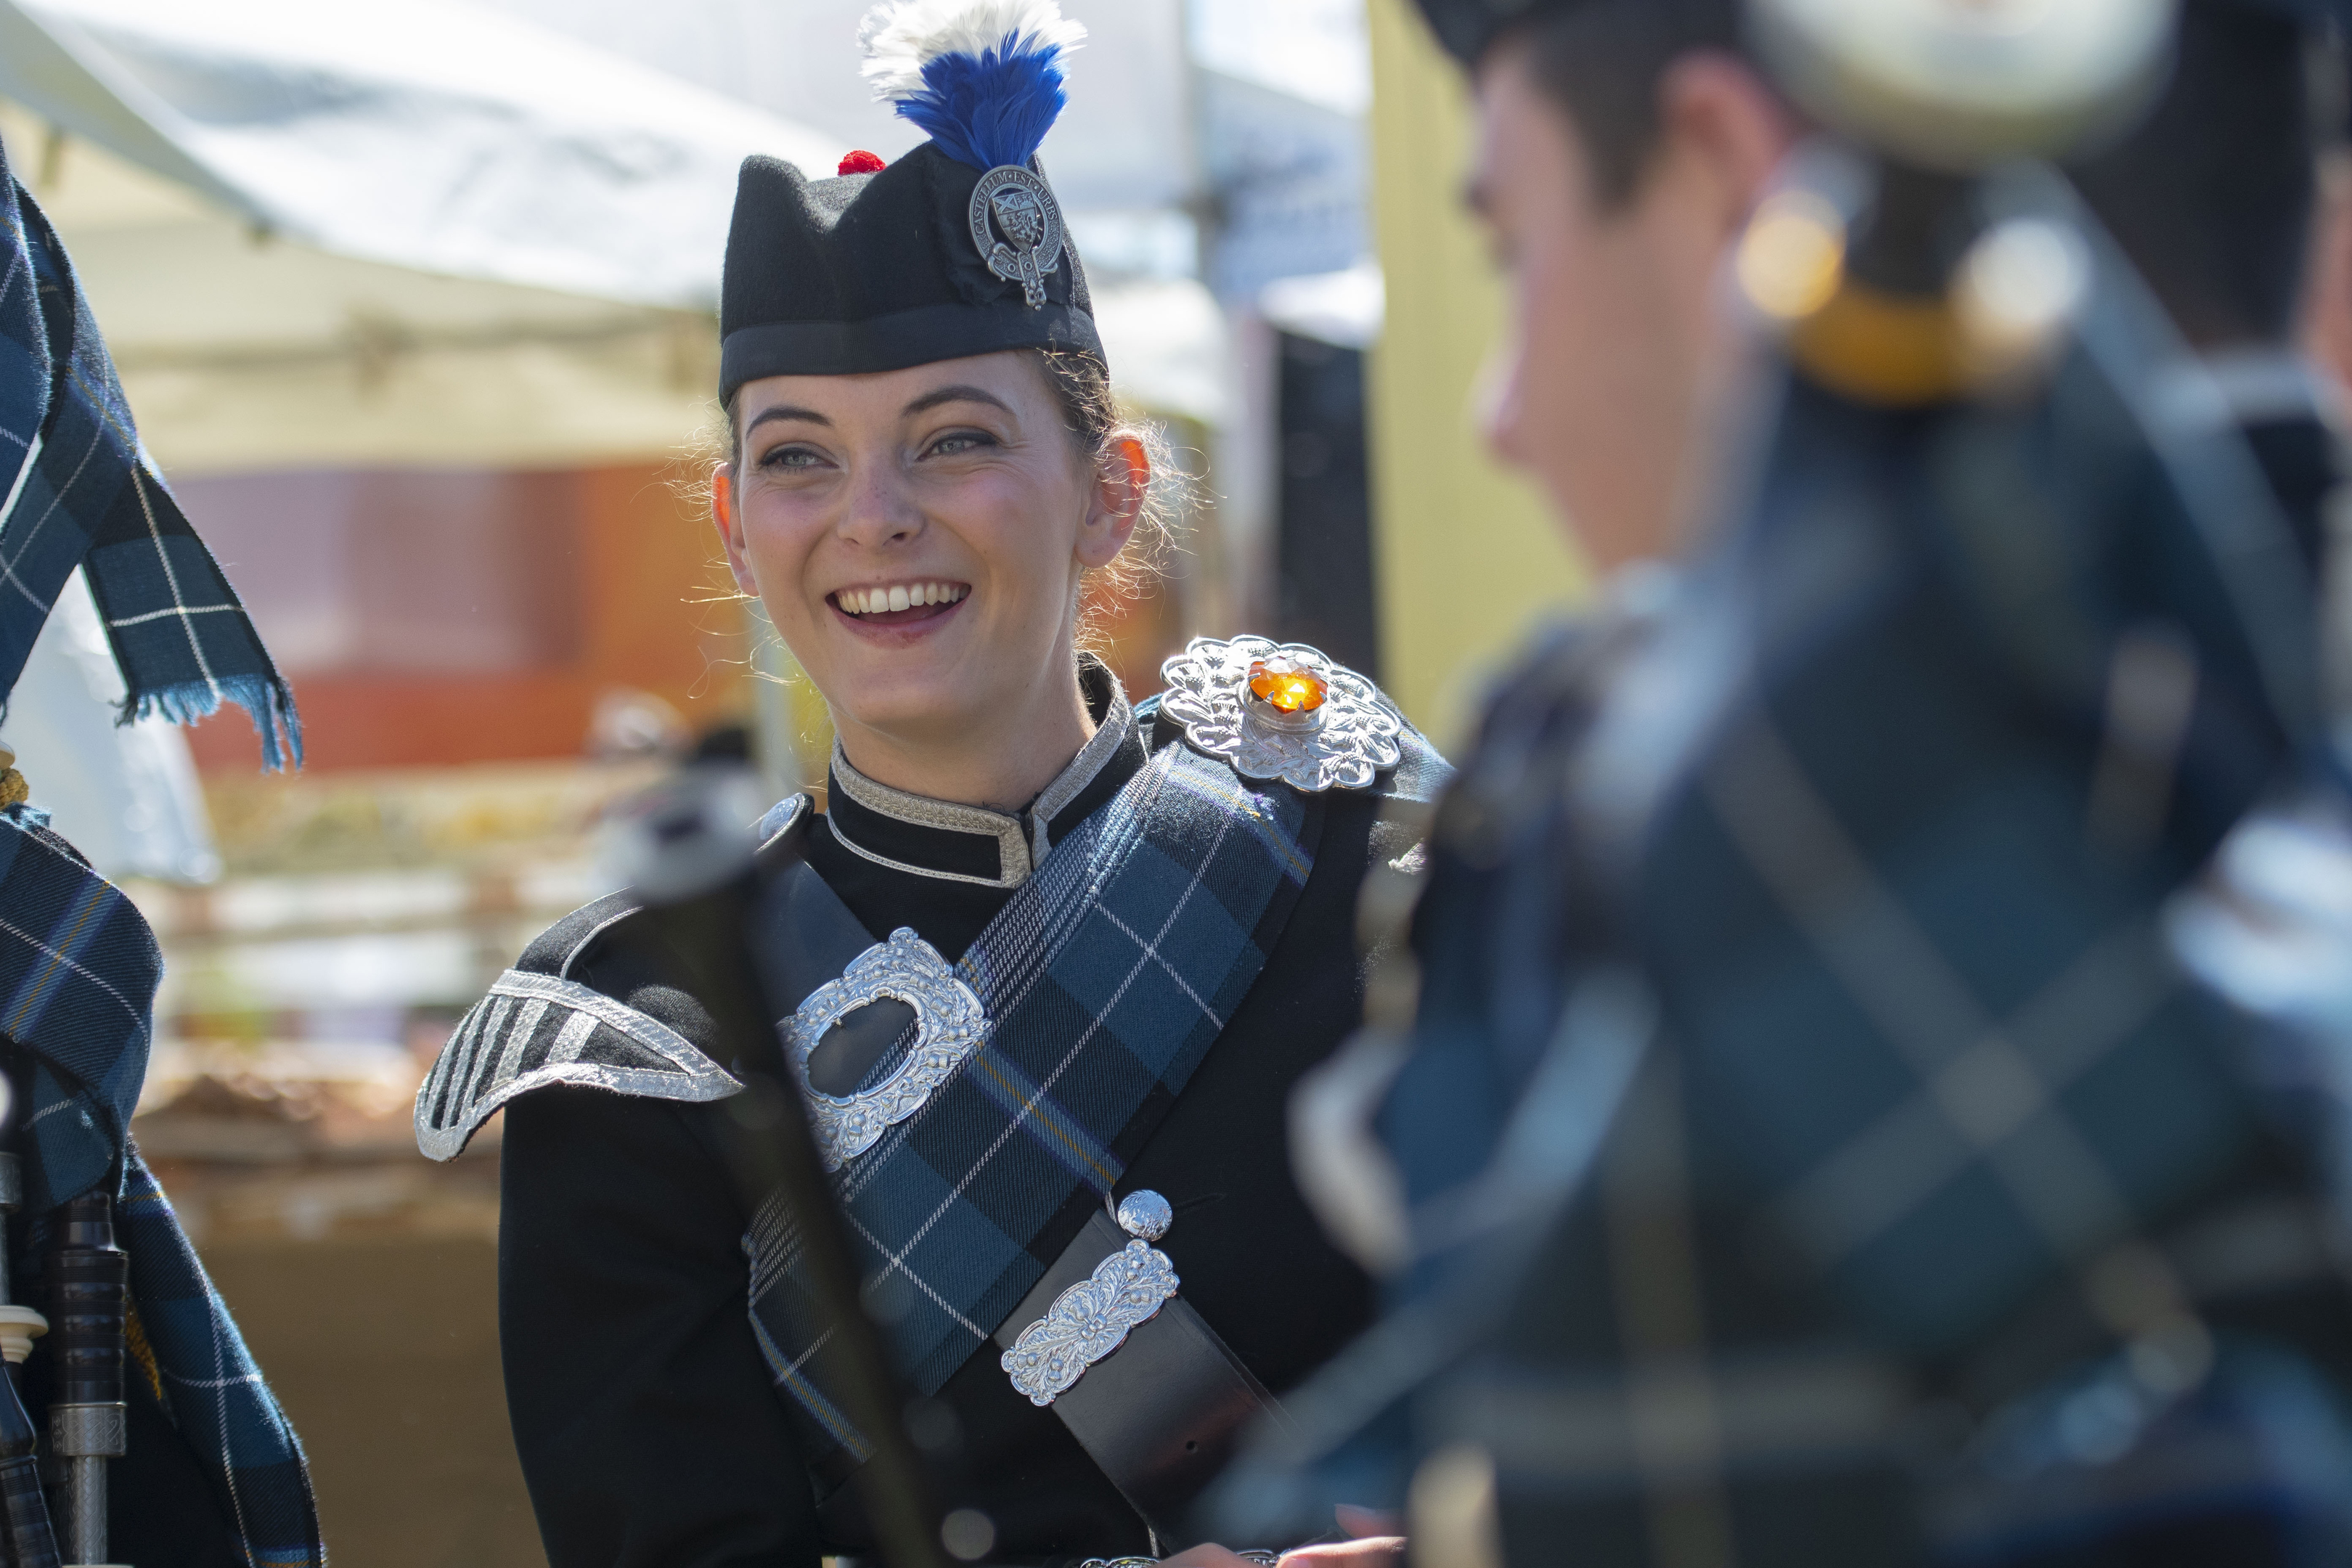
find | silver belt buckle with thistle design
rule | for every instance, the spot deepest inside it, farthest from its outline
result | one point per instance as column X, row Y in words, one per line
column 1094, row 1317
column 1282, row 711
column 1018, row 204
column 950, row 1025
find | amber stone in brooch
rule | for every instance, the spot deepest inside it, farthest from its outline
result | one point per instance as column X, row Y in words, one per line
column 1285, row 685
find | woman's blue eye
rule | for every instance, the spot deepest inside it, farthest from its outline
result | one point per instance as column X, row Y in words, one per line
column 791, row 457
column 963, row 441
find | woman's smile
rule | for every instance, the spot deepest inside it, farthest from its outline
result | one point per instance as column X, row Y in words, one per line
column 919, row 606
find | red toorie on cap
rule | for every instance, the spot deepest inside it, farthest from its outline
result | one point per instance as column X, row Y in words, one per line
column 861, row 163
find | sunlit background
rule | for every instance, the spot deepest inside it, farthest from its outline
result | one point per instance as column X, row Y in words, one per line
column 413, row 303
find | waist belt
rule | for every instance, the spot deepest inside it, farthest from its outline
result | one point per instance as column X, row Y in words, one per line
column 1163, row 1414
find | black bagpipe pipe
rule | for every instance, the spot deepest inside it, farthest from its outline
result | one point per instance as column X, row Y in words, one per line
column 687, row 850
column 89, row 1295
column 84, row 1339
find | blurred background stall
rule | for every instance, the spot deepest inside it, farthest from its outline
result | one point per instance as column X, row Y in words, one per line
column 415, row 307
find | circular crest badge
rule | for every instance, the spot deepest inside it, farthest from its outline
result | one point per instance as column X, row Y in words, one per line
column 1017, row 226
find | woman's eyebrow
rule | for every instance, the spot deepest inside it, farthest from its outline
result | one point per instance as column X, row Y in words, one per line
column 786, row 411
column 931, row 400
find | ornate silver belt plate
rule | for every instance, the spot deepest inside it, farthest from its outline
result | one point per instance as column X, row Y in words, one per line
column 1094, row 1317
column 950, row 1025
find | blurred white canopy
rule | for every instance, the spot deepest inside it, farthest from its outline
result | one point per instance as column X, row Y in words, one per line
column 332, row 235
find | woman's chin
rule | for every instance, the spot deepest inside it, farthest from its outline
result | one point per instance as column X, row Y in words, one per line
column 914, row 707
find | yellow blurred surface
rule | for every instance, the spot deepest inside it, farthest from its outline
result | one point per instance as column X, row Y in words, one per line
column 1468, row 553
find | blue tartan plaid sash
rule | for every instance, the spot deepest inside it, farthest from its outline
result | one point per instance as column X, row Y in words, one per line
column 79, row 492
column 79, row 968
column 1105, row 980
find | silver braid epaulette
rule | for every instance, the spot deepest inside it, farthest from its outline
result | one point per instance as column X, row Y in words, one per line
column 533, row 1030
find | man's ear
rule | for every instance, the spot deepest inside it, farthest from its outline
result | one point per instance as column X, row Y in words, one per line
column 1718, row 117
column 730, row 523
column 1122, row 484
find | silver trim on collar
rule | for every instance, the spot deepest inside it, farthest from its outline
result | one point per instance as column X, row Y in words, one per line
column 1118, row 723
column 1018, row 853
column 922, row 811
column 862, row 853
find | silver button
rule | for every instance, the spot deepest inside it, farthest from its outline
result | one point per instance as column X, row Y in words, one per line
column 1144, row 1213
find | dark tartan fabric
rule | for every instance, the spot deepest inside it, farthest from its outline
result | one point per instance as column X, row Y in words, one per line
column 1838, row 1166
column 1106, row 978
column 79, row 492
column 77, row 973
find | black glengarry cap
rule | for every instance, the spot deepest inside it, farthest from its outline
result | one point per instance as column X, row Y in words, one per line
column 957, row 248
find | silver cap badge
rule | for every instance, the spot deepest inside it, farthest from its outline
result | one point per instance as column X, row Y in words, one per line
column 1019, row 206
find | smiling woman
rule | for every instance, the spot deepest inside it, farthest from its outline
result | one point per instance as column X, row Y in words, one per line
column 1054, row 961
column 919, row 538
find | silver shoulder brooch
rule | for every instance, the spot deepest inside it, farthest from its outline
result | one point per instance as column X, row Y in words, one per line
column 950, row 1025
column 1282, row 711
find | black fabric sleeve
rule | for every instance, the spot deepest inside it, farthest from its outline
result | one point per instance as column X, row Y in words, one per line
column 648, row 1429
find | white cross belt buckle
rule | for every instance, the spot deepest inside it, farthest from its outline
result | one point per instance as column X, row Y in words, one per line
column 950, row 1025
column 1094, row 1317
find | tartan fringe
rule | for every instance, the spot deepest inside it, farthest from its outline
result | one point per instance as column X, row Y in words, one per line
column 265, row 699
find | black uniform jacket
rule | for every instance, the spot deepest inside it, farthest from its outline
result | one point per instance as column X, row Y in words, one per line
column 650, row 1429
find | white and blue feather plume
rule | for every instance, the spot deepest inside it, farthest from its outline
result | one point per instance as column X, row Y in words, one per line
column 982, row 77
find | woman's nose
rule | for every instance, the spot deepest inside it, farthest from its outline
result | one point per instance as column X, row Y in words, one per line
column 879, row 511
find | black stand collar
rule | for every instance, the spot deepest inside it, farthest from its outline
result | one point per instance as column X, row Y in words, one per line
column 961, row 842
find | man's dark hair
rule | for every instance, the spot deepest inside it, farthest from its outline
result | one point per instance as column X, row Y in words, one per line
column 2211, row 195
column 1602, row 62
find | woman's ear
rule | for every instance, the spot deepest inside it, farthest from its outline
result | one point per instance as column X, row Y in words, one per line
column 730, row 523
column 1122, row 484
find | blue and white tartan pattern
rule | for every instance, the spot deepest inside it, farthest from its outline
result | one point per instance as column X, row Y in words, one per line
column 79, row 491
column 78, row 974
column 212, row 1387
column 79, row 968
column 1105, row 980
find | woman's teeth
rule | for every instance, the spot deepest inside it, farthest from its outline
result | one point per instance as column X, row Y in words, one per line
column 880, row 601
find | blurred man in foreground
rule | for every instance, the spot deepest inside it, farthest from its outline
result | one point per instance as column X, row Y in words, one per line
column 1809, row 1146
